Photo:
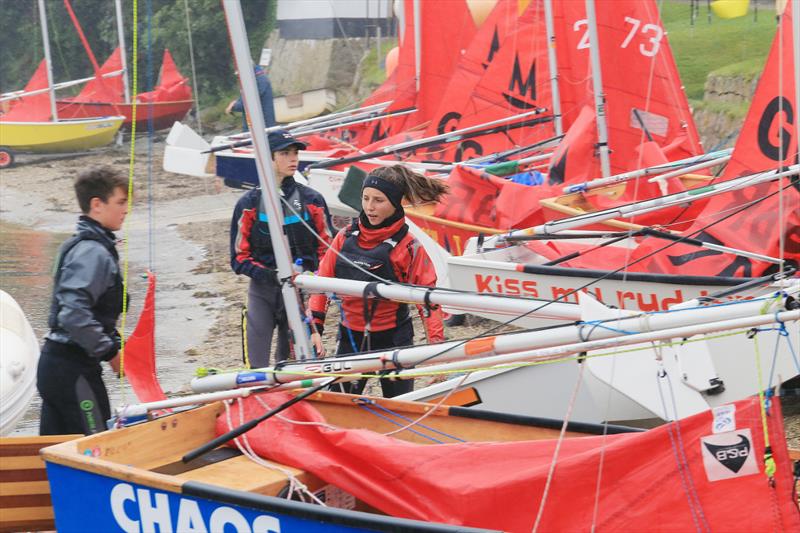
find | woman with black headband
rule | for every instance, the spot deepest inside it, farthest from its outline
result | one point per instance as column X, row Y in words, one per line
column 379, row 246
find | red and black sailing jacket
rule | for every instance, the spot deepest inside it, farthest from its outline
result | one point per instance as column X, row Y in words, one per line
column 251, row 247
column 391, row 253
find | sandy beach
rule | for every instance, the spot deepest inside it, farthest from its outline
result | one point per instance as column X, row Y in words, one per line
column 179, row 228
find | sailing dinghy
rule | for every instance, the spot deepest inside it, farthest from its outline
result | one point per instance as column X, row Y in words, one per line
column 328, row 463
column 19, row 354
column 32, row 123
column 168, row 102
column 758, row 225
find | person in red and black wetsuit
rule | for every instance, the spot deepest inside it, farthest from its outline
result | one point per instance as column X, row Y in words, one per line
column 379, row 244
column 252, row 253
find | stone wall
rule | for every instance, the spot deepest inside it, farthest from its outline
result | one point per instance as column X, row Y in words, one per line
column 721, row 114
column 300, row 65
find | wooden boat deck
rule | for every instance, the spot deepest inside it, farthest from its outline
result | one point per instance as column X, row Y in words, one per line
column 151, row 453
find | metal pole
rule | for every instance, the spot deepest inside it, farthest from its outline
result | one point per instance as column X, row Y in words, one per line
column 599, row 95
column 266, row 174
column 553, row 64
column 47, row 61
column 796, row 33
column 122, row 52
column 417, row 44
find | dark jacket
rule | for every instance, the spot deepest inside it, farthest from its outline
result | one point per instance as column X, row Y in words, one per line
column 251, row 248
column 87, row 291
column 265, row 94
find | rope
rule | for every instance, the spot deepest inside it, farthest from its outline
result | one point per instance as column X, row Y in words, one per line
column 561, row 434
column 194, row 72
column 243, row 444
column 432, row 409
column 131, row 169
column 387, row 419
column 245, row 352
column 151, row 248
column 763, row 403
column 695, row 508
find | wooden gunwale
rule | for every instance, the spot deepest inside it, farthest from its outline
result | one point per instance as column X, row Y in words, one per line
column 134, row 453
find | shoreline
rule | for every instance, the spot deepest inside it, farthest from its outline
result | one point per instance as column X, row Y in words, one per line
column 39, row 196
column 199, row 299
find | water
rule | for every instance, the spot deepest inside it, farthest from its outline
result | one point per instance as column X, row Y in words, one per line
column 26, row 264
column 27, row 259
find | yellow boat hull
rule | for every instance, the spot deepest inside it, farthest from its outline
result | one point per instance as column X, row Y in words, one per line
column 63, row 136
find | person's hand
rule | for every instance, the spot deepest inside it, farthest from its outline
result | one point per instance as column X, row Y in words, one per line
column 229, row 109
column 316, row 341
column 114, row 362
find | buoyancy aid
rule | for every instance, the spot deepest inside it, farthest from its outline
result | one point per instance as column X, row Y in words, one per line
column 302, row 242
column 109, row 305
column 357, row 263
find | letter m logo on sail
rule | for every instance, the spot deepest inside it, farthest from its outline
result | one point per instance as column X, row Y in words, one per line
column 522, row 92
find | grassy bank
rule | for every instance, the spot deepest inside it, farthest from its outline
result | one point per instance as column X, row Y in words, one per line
column 740, row 46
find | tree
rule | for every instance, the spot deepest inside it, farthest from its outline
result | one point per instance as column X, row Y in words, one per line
column 162, row 24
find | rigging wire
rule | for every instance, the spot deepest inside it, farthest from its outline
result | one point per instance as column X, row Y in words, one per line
column 131, row 171
column 194, row 72
column 563, row 297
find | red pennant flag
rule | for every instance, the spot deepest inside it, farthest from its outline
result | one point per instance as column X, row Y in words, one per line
column 140, row 350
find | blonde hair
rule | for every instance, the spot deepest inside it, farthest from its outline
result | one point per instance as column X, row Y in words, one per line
column 416, row 188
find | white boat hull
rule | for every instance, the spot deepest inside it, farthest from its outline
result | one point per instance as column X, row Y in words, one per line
column 19, row 355
column 625, row 386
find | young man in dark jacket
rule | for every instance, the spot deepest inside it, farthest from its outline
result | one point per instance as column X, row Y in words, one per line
column 306, row 223
column 87, row 301
column 264, row 94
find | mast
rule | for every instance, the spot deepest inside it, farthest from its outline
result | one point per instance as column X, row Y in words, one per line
column 553, row 64
column 796, row 36
column 417, row 44
column 47, row 61
column 123, row 53
column 599, row 95
column 266, row 175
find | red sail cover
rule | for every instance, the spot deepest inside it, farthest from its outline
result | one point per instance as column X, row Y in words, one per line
column 768, row 141
column 34, row 108
column 140, row 351
column 679, row 477
column 479, row 198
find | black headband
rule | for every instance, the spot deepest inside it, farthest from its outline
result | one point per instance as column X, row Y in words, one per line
column 388, row 188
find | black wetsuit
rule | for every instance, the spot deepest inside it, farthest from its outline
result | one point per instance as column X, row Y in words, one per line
column 87, row 300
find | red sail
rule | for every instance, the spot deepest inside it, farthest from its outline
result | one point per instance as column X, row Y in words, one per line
column 768, row 141
column 110, row 89
column 711, row 482
column 643, row 95
column 503, row 73
column 34, row 108
column 172, row 86
column 479, row 198
column 643, row 91
column 140, row 351
column 446, row 29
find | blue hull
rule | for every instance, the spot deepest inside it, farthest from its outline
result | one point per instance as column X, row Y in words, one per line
column 240, row 172
column 85, row 502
